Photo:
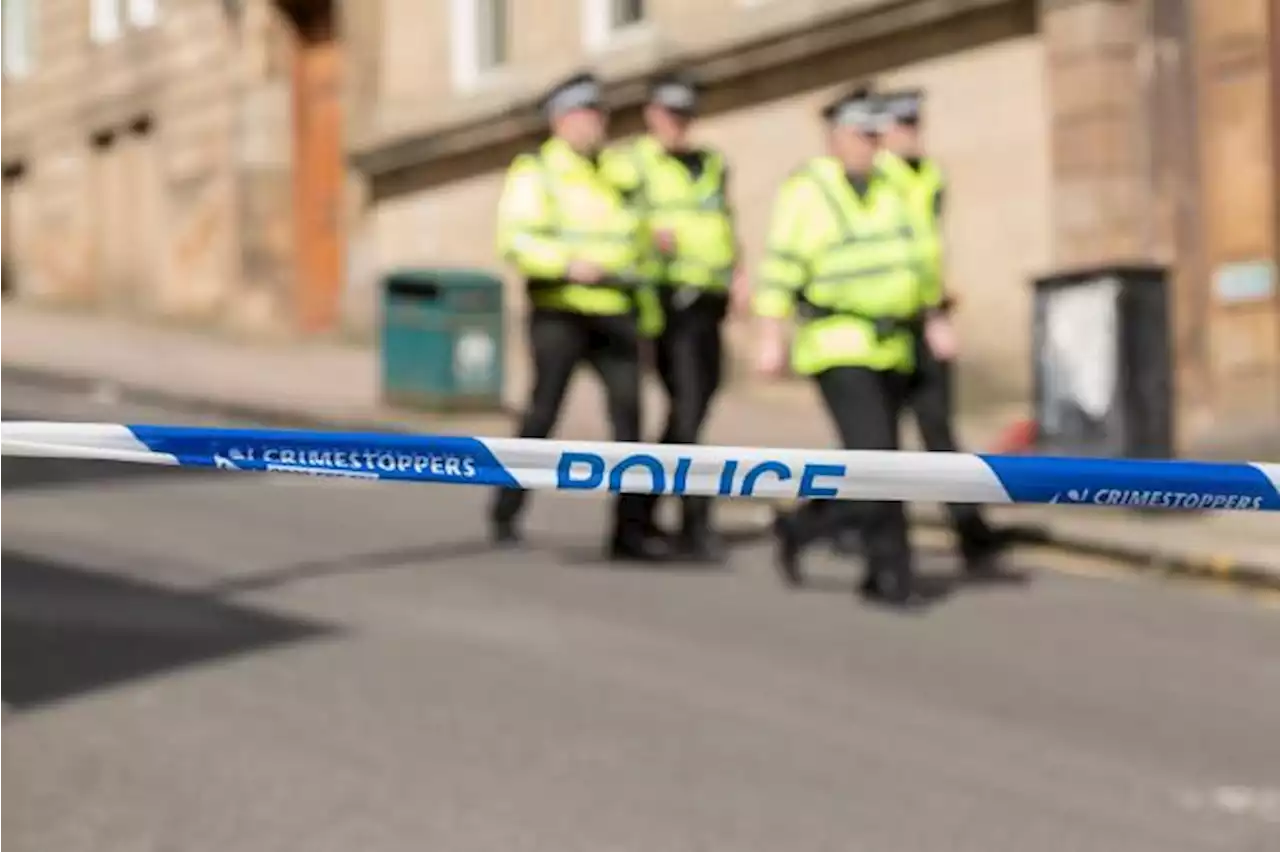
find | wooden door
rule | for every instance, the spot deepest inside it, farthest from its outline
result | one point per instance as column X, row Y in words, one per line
column 111, row 213
column 8, row 254
column 1238, row 166
column 146, row 224
column 318, row 172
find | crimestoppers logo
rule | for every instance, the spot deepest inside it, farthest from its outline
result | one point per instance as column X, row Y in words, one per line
column 364, row 462
column 1138, row 498
column 221, row 462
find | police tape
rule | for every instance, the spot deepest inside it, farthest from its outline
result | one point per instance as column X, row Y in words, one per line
column 667, row 469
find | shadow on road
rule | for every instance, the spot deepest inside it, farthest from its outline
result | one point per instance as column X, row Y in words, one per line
column 347, row 564
column 67, row 631
column 23, row 474
column 565, row 554
column 931, row 589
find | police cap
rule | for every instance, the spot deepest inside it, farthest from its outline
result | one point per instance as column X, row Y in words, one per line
column 904, row 106
column 581, row 91
column 675, row 91
column 858, row 108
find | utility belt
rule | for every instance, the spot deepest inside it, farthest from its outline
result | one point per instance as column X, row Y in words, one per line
column 678, row 296
column 623, row 281
column 885, row 327
column 628, row 283
column 682, row 297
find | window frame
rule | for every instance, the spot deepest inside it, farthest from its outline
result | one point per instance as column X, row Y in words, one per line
column 19, row 41
column 476, row 55
column 142, row 14
column 602, row 29
column 99, row 30
column 616, row 8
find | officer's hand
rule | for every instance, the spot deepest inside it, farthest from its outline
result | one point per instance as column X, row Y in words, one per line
column 665, row 240
column 740, row 293
column 771, row 358
column 940, row 335
column 584, row 272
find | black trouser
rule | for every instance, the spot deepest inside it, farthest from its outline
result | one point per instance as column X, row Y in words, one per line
column 866, row 406
column 610, row 344
column 930, row 399
column 688, row 356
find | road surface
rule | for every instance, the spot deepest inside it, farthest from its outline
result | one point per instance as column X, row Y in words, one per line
column 226, row 661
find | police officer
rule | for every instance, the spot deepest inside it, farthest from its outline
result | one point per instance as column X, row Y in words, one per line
column 681, row 190
column 843, row 259
column 584, row 255
column 921, row 181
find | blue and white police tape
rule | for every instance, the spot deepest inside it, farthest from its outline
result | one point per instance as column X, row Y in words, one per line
column 658, row 469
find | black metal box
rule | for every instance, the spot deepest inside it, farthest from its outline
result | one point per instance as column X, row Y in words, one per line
column 1103, row 363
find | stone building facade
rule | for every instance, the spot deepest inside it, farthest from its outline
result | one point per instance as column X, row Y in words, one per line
column 1076, row 133
column 156, row 152
column 259, row 164
column 437, row 127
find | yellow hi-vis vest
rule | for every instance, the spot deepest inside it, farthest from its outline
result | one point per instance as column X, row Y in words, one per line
column 695, row 210
column 923, row 190
column 851, row 269
column 557, row 207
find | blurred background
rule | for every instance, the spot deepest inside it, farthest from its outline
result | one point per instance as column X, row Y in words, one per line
column 254, row 169
column 282, row 212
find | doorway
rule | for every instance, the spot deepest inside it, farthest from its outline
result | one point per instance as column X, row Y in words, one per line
column 317, row 164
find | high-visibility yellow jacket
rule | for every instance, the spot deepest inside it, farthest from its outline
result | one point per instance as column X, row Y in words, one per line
column 852, row 270
column 695, row 210
column 923, row 190
column 557, row 206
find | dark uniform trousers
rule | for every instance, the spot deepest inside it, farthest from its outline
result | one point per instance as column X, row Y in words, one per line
column 930, row 399
column 928, row 395
column 610, row 345
column 866, row 406
column 689, row 356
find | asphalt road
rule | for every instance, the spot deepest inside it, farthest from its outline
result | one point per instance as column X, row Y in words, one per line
column 232, row 661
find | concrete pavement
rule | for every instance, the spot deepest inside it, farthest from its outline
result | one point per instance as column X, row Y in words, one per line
column 331, row 385
column 204, row 661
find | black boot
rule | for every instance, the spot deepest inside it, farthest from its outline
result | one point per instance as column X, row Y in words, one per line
column 638, row 548
column 697, row 542
column 649, row 513
column 981, row 547
column 705, row 547
column 504, row 533
column 890, row 579
column 889, row 585
column 787, row 550
column 632, row 540
column 847, row 542
column 502, row 520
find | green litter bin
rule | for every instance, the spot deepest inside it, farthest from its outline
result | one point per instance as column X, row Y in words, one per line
column 442, row 340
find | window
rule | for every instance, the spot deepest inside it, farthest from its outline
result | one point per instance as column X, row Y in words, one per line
column 143, row 13
column 480, row 38
column 19, row 31
column 604, row 21
column 107, row 17
column 627, row 12
column 104, row 20
column 491, row 33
